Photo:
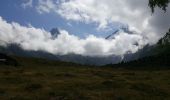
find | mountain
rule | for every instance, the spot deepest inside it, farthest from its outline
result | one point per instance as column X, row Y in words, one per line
column 163, row 45
column 159, row 56
column 143, row 52
column 54, row 33
column 111, row 36
column 15, row 49
column 7, row 60
column 165, row 40
column 148, row 50
column 123, row 29
column 87, row 60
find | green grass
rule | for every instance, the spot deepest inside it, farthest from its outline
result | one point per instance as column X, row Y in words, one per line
column 38, row 79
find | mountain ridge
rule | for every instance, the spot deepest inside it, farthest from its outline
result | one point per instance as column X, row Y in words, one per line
column 147, row 50
column 160, row 56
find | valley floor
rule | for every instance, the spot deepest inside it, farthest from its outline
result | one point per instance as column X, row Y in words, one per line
column 61, row 82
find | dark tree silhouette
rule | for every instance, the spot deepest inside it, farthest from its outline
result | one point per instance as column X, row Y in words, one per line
column 163, row 4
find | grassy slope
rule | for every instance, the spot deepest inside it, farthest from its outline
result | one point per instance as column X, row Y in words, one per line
column 38, row 79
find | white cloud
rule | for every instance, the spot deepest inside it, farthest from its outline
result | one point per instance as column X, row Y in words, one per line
column 31, row 38
column 131, row 12
column 28, row 3
column 134, row 13
column 45, row 6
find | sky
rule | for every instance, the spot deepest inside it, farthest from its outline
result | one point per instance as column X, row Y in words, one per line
column 23, row 13
column 83, row 24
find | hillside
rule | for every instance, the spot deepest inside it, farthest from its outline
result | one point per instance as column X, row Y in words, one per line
column 39, row 79
column 160, row 56
column 7, row 60
column 16, row 50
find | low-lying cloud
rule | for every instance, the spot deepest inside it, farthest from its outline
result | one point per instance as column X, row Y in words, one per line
column 31, row 38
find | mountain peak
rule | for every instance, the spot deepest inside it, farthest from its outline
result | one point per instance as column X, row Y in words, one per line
column 54, row 32
column 122, row 29
column 111, row 36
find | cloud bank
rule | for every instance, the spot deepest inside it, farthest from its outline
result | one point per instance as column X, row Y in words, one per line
column 31, row 38
column 134, row 13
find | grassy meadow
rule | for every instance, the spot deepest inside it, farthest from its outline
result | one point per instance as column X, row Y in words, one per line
column 38, row 79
